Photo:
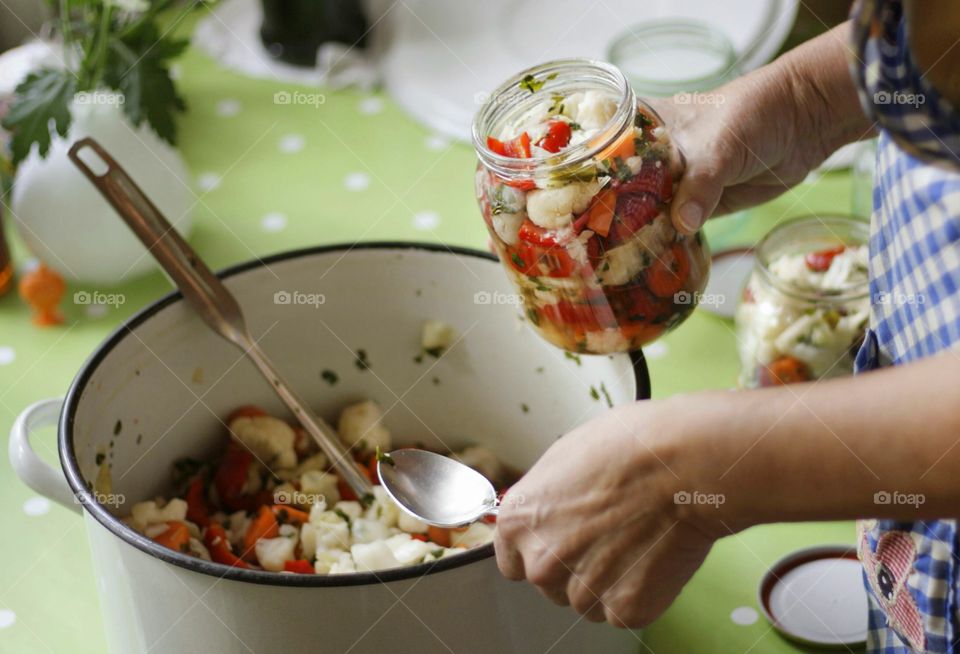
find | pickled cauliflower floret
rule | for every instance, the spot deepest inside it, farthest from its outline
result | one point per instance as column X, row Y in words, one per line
column 595, row 110
column 360, row 429
column 409, row 524
column 316, row 486
column 408, row 550
column 436, row 337
column 368, row 531
column 553, row 208
column 343, row 565
column 483, row 461
column 270, row 439
column 149, row 513
column 479, row 533
column 507, row 226
column 383, row 509
column 272, row 553
column 373, row 556
column 327, row 559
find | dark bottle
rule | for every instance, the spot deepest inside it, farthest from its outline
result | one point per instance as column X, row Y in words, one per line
column 293, row 30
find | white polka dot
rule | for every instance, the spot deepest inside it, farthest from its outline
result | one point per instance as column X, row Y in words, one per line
column 436, row 142
column 36, row 506
column 7, row 618
column 291, row 143
column 744, row 616
column 175, row 72
column 656, row 350
column 370, row 106
column 208, row 181
column 97, row 310
column 29, row 265
column 426, row 220
column 273, row 222
column 228, row 108
column 7, row 355
column 356, row 181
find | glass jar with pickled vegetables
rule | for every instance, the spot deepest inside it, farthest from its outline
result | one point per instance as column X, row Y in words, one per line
column 574, row 183
column 804, row 310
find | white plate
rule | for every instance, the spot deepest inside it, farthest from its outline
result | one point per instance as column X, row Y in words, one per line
column 729, row 272
column 444, row 57
column 816, row 596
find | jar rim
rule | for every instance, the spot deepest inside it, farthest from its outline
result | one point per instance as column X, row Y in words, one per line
column 510, row 95
column 858, row 229
column 708, row 39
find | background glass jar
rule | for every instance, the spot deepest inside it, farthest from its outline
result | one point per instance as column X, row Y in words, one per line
column 804, row 310
column 584, row 230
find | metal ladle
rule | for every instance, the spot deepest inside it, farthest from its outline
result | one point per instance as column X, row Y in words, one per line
column 206, row 294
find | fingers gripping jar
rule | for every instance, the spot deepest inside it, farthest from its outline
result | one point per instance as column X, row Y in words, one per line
column 574, row 183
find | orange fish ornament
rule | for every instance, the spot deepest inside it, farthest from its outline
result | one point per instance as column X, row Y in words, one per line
column 43, row 288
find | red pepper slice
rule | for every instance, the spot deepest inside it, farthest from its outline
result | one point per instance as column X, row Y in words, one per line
column 231, row 475
column 820, row 261
column 518, row 148
column 218, row 545
column 532, row 233
column 197, row 511
column 668, row 273
column 300, row 566
column 557, row 136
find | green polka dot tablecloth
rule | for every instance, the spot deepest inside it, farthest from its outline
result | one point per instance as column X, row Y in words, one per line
column 274, row 177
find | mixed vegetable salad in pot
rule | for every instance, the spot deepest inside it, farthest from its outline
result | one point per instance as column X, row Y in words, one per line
column 574, row 183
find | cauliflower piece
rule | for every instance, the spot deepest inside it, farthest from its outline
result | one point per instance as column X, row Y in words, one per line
column 411, row 525
column 595, row 110
column 198, row 549
column 373, row 556
column 407, row 550
column 441, row 553
column 383, row 509
column 483, row 461
column 507, row 226
column 553, row 208
column 479, row 533
column 359, row 427
column 270, row 439
column 236, row 527
column 327, row 559
column 316, row 486
column 436, row 336
column 316, row 461
column 148, row 513
column 353, row 510
column 273, row 552
column 368, row 531
column 344, row 565
column 607, row 340
column 330, row 532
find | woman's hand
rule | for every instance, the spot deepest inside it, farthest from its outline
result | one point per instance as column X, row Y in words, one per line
column 595, row 523
column 754, row 138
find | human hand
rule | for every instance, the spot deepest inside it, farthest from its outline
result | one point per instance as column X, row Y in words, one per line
column 594, row 524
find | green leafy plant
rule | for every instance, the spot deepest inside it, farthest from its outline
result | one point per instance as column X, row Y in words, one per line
column 108, row 45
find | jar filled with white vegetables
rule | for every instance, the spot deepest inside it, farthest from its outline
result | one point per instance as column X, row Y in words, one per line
column 805, row 308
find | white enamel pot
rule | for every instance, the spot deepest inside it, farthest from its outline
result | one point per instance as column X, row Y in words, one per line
column 151, row 394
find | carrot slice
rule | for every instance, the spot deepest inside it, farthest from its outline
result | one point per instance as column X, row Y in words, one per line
column 197, row 511
column 785, row 370
column 176, row 537
column 289, row 515
column 263, row 525
column 439, row 535
column 601, row 212
column 667, row 274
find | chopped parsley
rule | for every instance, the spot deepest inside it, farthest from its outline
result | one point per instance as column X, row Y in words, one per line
column 418, row 358
column 516, row 259
column 435, row 352
column 330, row 377
column 384, row 457
column 362, row 363
column 100, row 457
column 572, row 357
column 345, row 517
column 594, row 393
column 533, row 317
column 117, row 428
column 532, row 84
column 606, row 394
column 525, row 408
column 574, row 127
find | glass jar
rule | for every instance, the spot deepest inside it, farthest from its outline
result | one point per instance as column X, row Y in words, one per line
column 804, row 310
column 574, row 183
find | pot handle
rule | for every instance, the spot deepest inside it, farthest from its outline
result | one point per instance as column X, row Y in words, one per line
column 31, row 469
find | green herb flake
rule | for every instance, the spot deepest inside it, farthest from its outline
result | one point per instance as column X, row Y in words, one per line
column 100, row 457
column 594, row 393
column 345, row 517
column 533, row 317
column 573, row 357
column 517, row 260
column 384, row 457
column 435, row 352
column 361, row 362
column 575, row 127
column 117, row 428
column 330, row 377
column 540, row 369
column 366, row 500
column 606, row 394
column 436, row 381
column 418, row 358
column 532, row 84
column 525, row 408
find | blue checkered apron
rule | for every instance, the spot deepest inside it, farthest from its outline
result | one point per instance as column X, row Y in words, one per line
column 910, row 569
